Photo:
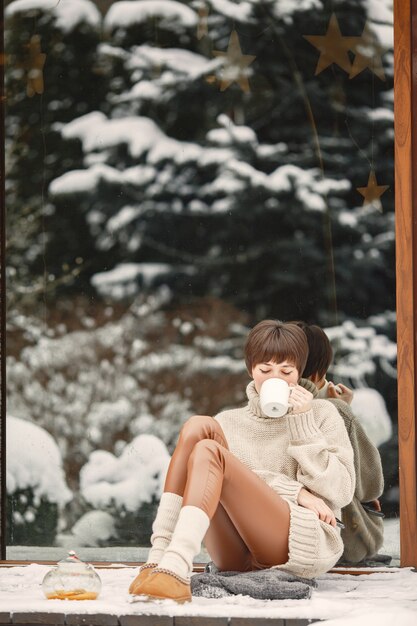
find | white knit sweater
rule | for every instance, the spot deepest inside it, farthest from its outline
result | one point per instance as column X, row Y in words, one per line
column 310, row 450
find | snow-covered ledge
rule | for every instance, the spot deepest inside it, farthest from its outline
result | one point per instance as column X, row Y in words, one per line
column 378, row 599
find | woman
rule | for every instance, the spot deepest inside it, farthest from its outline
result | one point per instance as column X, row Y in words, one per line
column 264, row 492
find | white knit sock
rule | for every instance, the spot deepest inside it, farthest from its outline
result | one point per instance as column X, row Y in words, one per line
column 186, row 541
column 164, row 524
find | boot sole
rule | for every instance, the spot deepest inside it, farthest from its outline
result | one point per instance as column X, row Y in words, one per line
column 145, row 598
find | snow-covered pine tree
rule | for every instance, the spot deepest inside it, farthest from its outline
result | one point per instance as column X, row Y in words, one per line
column 239, row 182
column 52, row 76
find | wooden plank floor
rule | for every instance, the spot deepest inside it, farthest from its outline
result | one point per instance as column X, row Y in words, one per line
column 104, row 619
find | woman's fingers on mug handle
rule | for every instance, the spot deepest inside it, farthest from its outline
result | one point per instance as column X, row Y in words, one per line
column 299, row 399
column 296, row 392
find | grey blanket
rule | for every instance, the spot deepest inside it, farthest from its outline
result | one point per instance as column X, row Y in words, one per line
column 266, row 584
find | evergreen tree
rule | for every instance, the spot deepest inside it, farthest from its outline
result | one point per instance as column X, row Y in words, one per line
column 52, row 76
column 237, row 176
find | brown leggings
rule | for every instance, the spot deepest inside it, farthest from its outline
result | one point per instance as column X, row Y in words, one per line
column 249, row 525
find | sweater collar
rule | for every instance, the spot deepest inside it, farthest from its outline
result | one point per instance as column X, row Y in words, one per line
column 254, row 400
column 310, row 386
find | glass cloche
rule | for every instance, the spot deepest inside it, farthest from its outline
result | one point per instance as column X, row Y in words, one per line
column 72, row 579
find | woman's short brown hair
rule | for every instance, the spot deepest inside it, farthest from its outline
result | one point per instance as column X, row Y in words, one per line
column 272, row 340
column 320, row 351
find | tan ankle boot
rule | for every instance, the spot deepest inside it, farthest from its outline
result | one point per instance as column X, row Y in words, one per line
column 144, row 572
column 162, row 584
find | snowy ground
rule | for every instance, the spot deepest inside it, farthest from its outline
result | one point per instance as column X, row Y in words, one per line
column 378, row 599
column 386, row 598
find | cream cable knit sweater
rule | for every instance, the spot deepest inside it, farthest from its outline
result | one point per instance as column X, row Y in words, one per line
column 310, row 450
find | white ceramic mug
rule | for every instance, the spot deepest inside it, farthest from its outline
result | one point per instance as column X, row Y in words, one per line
column 274, row 396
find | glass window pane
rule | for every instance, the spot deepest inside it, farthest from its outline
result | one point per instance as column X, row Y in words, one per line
column 176, row 172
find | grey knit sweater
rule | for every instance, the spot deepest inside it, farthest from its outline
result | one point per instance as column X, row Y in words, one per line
column 310, row 450
column 363, row 534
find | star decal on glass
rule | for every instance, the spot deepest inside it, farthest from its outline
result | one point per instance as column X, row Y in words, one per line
column 372, row 192
column 334, row 49
column 368, row 54
column 33, row 65
column 235, row 68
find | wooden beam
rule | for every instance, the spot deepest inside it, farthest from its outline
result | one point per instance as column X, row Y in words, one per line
column 406, row 263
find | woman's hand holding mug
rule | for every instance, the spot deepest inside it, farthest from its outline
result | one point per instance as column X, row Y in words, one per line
column 276, row 397
column 300, row 399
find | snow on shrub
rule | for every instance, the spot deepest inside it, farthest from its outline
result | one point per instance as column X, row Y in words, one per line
column 370, row 408
column 36, row 486
column 128, row 487
column 95, row 528
column 129, row 480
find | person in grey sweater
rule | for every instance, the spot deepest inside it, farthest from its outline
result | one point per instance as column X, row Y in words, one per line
column 263, row 492
column 363, row 534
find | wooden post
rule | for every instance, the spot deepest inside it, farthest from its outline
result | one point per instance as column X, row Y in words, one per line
column 405, row 101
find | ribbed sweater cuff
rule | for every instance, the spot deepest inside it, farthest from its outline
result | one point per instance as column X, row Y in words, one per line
column 302, row 426
column 303, row 548
column 310, row 553
column 286, row 489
